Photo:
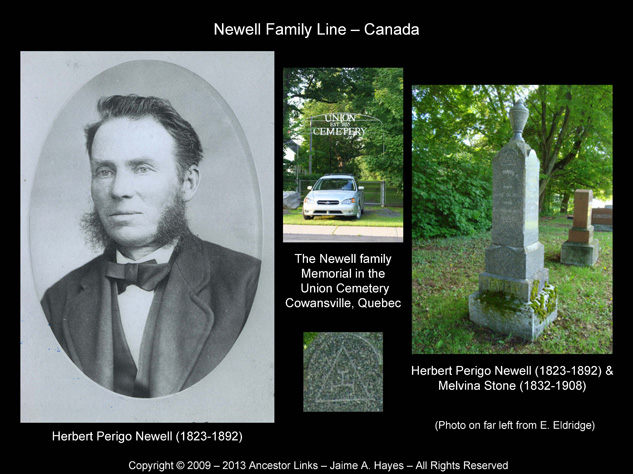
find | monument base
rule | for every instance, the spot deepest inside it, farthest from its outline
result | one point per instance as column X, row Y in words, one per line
column 578, row 253
column 509, row 315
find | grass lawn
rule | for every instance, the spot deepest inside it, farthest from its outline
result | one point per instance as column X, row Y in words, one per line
column 445, row 272
column 307, row 338
column 374, row 216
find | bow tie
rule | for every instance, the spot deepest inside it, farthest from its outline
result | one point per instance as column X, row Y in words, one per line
column 145, row 275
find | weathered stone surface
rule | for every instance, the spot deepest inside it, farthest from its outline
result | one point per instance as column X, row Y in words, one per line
column 522, row 289
column 515, row 262
column 581, row 235
column 511, row 316
column 581, row 248
column 579, row 253
column 582, row 208
column 515, row 196
column 343, row 373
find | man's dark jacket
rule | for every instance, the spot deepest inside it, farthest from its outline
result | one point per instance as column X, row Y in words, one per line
column 206, row 301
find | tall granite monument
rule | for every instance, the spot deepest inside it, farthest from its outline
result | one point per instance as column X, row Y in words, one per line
column 514, row 295
column 581, row 248
column 343, row 373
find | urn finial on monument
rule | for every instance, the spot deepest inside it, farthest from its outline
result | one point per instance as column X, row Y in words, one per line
column 518, row 118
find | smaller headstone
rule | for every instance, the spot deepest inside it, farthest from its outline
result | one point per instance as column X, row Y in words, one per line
column 291, row 200
column 602, row 219
column 343, row 373
column 581, row 248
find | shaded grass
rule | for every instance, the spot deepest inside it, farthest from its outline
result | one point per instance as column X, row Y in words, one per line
column 445, row 272
column 374, row 216
column 307, row 338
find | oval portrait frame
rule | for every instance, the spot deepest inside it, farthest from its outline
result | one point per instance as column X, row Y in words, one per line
column 227, row 210
column 61, row 187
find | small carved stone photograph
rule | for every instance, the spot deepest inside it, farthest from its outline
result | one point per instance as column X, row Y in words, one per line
column 343, row 372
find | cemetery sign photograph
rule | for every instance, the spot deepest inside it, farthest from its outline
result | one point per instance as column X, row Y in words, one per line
column 345, row 122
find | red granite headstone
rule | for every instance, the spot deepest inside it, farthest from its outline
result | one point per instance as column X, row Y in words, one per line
column 582, row 230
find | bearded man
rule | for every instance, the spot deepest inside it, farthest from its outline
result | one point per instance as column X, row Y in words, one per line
column 160, row 308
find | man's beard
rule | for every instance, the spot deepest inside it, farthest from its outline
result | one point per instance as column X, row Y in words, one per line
column 173, row 224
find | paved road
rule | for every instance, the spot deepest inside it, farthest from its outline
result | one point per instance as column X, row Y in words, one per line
column 334, row 233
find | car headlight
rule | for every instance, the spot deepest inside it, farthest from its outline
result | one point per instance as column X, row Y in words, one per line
column 349, row 201
column 308, row 200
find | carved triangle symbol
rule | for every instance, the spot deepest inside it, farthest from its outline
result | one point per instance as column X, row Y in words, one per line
column 343, row 382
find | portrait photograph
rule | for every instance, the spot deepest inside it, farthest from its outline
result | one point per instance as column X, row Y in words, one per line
column 146, row 255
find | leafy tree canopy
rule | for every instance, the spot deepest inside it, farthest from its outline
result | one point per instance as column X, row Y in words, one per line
column 369, row 91
column 458, row 129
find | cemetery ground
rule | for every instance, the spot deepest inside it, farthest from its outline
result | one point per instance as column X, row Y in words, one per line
column 374, row 216
column 445, row 272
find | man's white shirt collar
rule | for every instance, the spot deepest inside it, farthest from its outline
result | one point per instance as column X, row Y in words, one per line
column 161, row 255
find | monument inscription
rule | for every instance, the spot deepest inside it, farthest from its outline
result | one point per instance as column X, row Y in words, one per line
column 343, row 373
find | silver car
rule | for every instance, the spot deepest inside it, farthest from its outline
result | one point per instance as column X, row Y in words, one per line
column 334, row 195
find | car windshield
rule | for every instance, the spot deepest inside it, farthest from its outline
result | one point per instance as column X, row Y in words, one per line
column 344, row 184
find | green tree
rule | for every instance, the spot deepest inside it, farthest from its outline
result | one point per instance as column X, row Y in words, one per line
column 573, row 127
column 458, row 129
column 370, row 91
column 325, row 85
column 330, row 153
column 384, row 152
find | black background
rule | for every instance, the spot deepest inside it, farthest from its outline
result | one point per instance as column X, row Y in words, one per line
column 405, row 431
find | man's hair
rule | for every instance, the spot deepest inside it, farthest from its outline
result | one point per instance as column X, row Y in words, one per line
column 188, row 146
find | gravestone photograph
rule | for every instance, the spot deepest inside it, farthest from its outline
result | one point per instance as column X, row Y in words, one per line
column 343, row 373
column 514, row 294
